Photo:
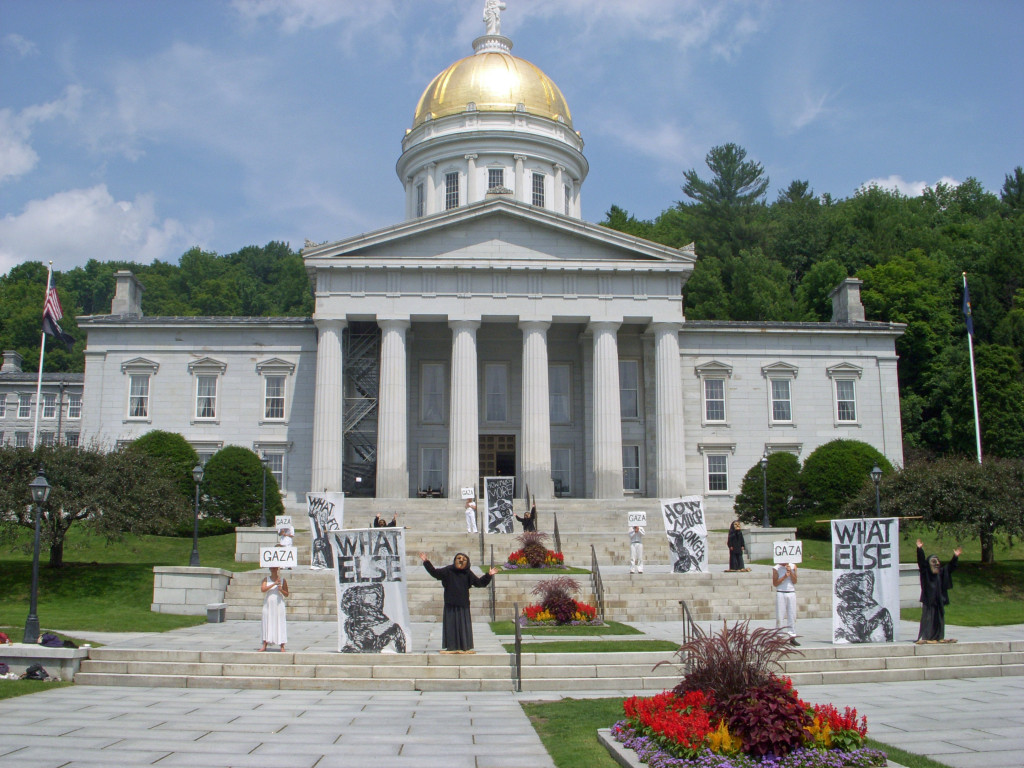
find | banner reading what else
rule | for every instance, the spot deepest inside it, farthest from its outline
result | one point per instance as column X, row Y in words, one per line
column 865, row 580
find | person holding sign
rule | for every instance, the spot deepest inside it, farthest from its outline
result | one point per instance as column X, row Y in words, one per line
column 736, row 548
column 936, row 581
column 636, row 550
column 275, row 590
column 471, row 516
column 285, row 536
column 784, row 580
column 457, row 623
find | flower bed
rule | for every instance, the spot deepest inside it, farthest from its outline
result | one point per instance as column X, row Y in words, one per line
column 518, row 559
column 538, row 616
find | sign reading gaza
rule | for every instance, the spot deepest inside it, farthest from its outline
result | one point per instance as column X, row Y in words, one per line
column 636, row 518
column 788, row 551
column 279, row 557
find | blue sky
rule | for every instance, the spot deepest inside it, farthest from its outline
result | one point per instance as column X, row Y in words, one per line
column 136, row 129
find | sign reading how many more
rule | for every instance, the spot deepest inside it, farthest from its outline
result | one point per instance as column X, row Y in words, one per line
column 498, row 494
column 788, row 551
column 687, row 533
column 279, row 557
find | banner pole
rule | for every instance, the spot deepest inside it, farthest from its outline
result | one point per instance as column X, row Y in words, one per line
column 974, row 383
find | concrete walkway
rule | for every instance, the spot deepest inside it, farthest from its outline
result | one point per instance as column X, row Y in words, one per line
column 962, row 723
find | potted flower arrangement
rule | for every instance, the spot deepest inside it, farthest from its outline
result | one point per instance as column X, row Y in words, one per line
column 533, row 553
column 731, row 710
column 557, row 605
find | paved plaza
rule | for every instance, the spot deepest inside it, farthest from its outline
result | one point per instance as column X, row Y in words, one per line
column 963, row 723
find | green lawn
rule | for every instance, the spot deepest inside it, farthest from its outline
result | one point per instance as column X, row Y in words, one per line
column 610, row 628
column 11, row 688
column 104, row 587
column 595, row 646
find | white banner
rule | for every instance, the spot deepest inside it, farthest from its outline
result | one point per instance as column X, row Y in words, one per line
column 326, row 513
column 279, row 557
column 865, row 580
column 687, row 533
column 788, row 552
column 498, row 495
column 369, row 574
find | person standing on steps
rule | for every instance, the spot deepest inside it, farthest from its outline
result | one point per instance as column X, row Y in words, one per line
column 784, row 580
column 936, row 581
column 471, row 516
column 456, row 622
column 736, row 548
column 529, row 520
column 636, row 550
column 275, row 627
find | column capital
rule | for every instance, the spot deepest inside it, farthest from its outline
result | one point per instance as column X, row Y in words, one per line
column 471, row 157
column 603, row 325
column 463, row 323
column 393, row 322
column 665, row 325
column 330, row 323
column 520, row 158
column 535, row 324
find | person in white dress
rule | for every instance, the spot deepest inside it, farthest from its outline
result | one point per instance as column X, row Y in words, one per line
column 275, row 590
column 471, row 516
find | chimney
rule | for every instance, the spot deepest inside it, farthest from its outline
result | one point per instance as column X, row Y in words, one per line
column 127, row 294
column 12, row 362
column 846, row 306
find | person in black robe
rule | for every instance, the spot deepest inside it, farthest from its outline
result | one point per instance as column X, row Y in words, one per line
column 457, row 623
column 380, row 522
column 529, row 520
column 736, row 547
column 936, row 581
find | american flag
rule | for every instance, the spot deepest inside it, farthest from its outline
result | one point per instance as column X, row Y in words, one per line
column 52, row 313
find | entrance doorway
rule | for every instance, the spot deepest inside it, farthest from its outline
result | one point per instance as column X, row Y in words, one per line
column 497, row 456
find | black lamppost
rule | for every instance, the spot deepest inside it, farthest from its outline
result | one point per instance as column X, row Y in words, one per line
column 40, row 492
column 876, row 477
column 764, row 483
column 197, row 476
column 264, row 461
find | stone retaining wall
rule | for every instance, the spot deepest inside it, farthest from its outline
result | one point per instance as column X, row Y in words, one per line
column 187, row 590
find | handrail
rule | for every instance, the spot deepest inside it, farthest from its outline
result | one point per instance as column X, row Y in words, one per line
column 690, row 632
column 558, row 538
column 492, row 584
column 519, row 648
column 595, row 577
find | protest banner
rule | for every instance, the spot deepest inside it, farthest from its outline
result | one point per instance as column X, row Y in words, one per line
column 865, row 580
column 279, row 557
column 498, row 495
column 687, row 532
column 326, row 513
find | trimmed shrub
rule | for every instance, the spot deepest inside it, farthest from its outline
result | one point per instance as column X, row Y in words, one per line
column 835, row 473
column 233, row 485
column 172, row 453
column 783, row 474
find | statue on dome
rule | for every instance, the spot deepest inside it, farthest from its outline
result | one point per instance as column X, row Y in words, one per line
column 492, row 16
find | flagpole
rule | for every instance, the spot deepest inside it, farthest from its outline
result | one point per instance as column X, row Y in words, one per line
column 974, row 381
column 42, row 355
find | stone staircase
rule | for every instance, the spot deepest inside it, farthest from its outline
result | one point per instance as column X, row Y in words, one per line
column 542, row 672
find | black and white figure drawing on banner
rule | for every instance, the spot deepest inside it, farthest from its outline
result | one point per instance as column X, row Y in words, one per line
column 373, row 612
column 498, row 495
column 326, row 513
column 687, row 531
column 865, row 580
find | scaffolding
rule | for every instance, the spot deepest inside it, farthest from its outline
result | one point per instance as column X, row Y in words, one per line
column 362, row 386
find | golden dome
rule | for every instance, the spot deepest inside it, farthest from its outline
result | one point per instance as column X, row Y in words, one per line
column 495, row 82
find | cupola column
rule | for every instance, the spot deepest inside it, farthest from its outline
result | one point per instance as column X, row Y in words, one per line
column 536, row 418
column 520, row 178
column 464, row 429
column 431, row 206
column 668, row 394
column 392, row 430
column 471, row 195
column 559, row 196
column 607, row 412
column 327, row 409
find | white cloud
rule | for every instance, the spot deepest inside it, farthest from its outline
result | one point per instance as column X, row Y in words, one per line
column 77, row 225
column 296, row 15
column 17, row 157
column 20, row 45
column 897, row 183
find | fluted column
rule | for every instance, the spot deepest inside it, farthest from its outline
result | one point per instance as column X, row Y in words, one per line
column 536, row 418
column 607, row 412
column 521, row 192
column 668, row 394
column 560, row 200
column 431, row 190
column 471, row 196
column 463, row 432
column 392, row 409
column 328, row 408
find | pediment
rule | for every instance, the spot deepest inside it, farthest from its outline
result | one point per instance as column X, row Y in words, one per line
column 713, row 368
column 140, row 365
column 275, row 365
column 207, row 365
column 844, row 370
column 780, row 369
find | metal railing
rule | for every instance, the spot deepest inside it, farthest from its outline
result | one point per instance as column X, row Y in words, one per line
column 595, row 578
column 558, row 538
column 690, row 631
column 491, row 590
column 518, row 657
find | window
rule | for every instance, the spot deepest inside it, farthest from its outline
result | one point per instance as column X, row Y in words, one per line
column 49, row 405
column 74, row 406
column 273, row 407
column 46, row 438
column 432, row 393
column 718, row 473
column 782, row 403
column 495, row 178
column 559, row 387
column 629, row 394
column 275, row 466
column 538, row 190
column 21, row 439
column 204, row 456
column 421, row 202
column 561, row 471
column 714, row 399
column 496, row 392
column 451, row 190
column 631, row 467
column 206, row 397
column 138, row 397
column 24, row 406
column 846, row 400
column 432, row 467
column 3, row 406
column 71, row 439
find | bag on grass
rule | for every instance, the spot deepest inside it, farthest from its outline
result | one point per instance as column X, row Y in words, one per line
column 4, row 639
column 35, row 672
column 50, row 640
column 4, row 669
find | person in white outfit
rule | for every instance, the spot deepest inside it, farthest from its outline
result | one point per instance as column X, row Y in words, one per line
column 784, row 580
column 275, row 590
column 471, row 516
column 285, row 536
column 636, row 550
